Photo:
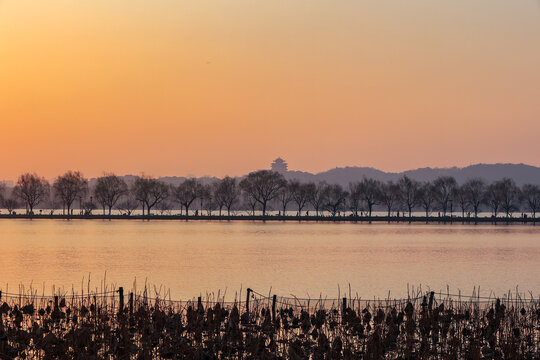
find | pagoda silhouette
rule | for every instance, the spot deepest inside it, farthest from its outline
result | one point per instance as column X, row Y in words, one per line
column 279, row 165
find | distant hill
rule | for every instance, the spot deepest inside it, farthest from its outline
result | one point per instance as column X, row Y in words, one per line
column 521, row 174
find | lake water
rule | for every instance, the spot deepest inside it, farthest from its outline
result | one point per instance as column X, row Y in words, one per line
column 195, row 257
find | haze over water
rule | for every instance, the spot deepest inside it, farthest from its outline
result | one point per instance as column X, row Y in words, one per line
column 196, row 257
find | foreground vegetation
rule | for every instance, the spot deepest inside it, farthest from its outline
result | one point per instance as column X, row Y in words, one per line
column 105, row 326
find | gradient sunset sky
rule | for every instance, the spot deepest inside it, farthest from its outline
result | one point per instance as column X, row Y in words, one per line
column 224, row 86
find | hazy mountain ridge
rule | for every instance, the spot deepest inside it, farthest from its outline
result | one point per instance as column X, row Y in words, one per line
column 521, row 173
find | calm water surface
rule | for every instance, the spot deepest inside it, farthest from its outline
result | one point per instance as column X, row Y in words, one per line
column 195, row 257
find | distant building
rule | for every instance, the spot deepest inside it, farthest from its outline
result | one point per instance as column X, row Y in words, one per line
column 280, row 165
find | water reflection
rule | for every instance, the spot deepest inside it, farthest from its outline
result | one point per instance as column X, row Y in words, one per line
column 191, row 258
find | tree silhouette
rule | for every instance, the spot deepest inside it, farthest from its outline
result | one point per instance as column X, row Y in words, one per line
column 335, row 199
column 32, row 190
column 108, row 190
column 187, row 192
column 267, row 188
column 531, row 197
column 300, row 194
column 250, row 202
column 409, row 192
column 164, row 207
column 389, row 196
column 88, row 207
column 427, row 195
column 10, row 204
column 149, row 192
column 284, row 197
column 127, row 205
column 369, row 191
column 205, row 196
column 226, row 194
column 8, row 200
column 474, row 190
column 355, row 197
column 318, row 196
column 2, row 192
column 510, row 196
column 462, row 199
column 445, row 189
column 493, row 197
column 69, row 187
column 263, row 186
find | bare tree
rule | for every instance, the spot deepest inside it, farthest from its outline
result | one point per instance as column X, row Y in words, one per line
column 217, row 195
column 205, row 195
column 369, row 190
column 409, row 192
column 336, row 199
column 210, row 203
column 462, row 199
column 427, row 195
column 284, row 197
column 89, row 206
column 226, row 194
column 318, row 196
column 300, row 194
column 10, row 204
column 9, row 201
column 263, row 186
column 164, row 207
column 355, row 197
column 511, row 196
column 2, row 192
column 389, row 196
column 187, row 192
column 445, row 188
column 531, row 196
column 149, row 192
column 250, row 201
column 70, row 187
column 109, row 189
column 474, row 190
column 493, row 197
column 32, row 190
column 128, row 205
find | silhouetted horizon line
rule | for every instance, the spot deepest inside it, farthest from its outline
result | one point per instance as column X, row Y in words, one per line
column 293, row 171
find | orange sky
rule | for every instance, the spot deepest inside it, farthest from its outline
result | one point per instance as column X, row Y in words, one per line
column 224, row 86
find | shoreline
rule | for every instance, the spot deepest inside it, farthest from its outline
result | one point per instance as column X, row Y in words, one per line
column 336, row 219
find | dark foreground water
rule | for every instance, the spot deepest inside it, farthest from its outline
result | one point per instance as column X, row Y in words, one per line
column 192, row 258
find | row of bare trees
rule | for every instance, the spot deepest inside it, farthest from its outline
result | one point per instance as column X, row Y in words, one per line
column 264, row 190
